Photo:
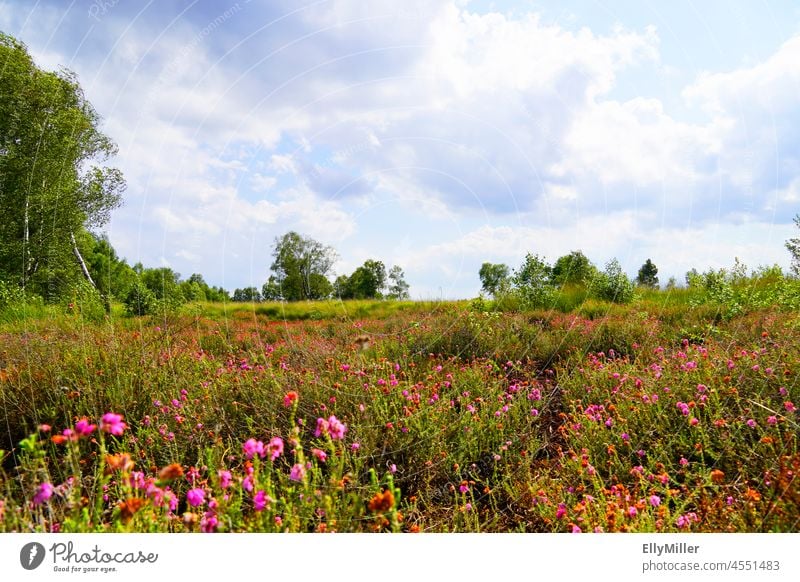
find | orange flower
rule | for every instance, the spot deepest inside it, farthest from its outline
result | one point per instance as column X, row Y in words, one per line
column 717, row 476
column 119, row 462
column 170, row 472
column 380, row 502
column 129, row 507
column 752, row 495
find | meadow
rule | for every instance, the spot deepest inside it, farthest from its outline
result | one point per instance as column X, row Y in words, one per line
column 667, row 414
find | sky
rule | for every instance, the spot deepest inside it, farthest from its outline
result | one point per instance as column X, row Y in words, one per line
column 439, row 134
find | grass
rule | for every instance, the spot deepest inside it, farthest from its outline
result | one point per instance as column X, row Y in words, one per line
column 661, row 415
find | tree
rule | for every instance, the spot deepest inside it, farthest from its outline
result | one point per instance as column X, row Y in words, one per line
column 494, row 277
column 398, row 288
column 532, row 281
column 613, row 284
column 301, row 266
column 573, row 269
column 647, row 275
column 247, row 295
column 366, row 282
column 50, row 188
column 793, row 246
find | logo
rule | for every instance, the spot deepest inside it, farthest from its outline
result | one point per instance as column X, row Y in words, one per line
column 31, row 555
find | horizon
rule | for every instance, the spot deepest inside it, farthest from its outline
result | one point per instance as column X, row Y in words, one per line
column 440, row 135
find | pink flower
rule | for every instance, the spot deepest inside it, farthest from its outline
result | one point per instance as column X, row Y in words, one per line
column 336, row 428
column 322, row 427
column 319, row 454
column 772, row 420
column 655, row 500
column 195, row 497
column 632, row 512
column 44, row 493
column 297, row 473
column 253, row 447
column 683, row 462
column 261, row 500
column 112, row 423
column 224, row 478
column 693, row 421
column 575, row 529
column 275, row 448
column 751, row 423
column 561, row 511
column 83, row 428
column 789, row 406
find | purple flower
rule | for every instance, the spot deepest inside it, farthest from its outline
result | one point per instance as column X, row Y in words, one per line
column 253, row 447
column 751, row 423
column 224, row 478
column 655, row 500
column 275, row 448
column 84, row 428
column 195, row 497
column 44, row 493
column 112, row 423
column 261, row 500
column 297, row 473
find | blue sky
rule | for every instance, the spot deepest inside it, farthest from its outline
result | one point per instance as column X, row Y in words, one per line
column 437, row 135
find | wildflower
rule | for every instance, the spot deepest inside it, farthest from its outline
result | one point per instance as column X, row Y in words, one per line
column 113, row 424
column 261, row 500
column 683, row 407
column 129, row 507
column 561, row 511
column 693, row 421
column 625, row 437
column 655, row 500
column 467, row 507
column 84, row 428
column 297, row 473
column 44, row 493
column 319, row 454
column 336, row 428
column 789, row 406
column 225, row 478
column 717, row 476
column 274, row 448
column 751, row 423
column 195, row 497
column 772, row 420
column 120, row 462
column 170, row 472
column 382, row 501
column 290, row 399
column 576, row 529
column 45, row 427
column 355, row 446
column 464, row 487
column 683, row 462
column 322, row 427
column 252, row 447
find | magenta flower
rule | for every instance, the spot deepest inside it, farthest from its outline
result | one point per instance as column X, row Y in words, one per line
column 336, row 428
column 261, row 500
column 322, row 427
column 84, row 428
column 44, row 493
column 275, row 448
column 112, row 423
column 772, row 420
column 655, row 500
column 297, row 473
column 195, row 497
column 632, row 511
column 576, row 529
column 789, row 406
column 320, row 454
column 253, row 447
column 751, row 423
column 684, row 461
column 225, row 478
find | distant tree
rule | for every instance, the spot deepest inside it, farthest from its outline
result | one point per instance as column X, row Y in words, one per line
column 572, row 269
column 247, row 295
column 672, row 283
column 793, row 246
column 366, row 282
column 398, row 288
column 494, row 277
column 613, row 284
column 164, row 283
column 532, row 281
column 112, row 276
column 648, row 275
column 300, row 269
column 217, row 294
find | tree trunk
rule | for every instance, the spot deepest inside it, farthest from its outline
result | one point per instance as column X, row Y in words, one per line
column 81, row 262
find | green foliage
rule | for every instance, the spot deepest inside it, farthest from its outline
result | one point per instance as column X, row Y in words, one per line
column 248, row 294
column 494, row 278
column 301, row 266
column 613, row 284
column 49, row 188
column 84, row 301
column 366, row 282
column 573, row 269
column 532, row 282
column 140, row 300
column 793, row 246
column 398, row 287
column 647, row 276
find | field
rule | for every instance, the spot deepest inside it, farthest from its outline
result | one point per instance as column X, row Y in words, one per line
column 656, row 416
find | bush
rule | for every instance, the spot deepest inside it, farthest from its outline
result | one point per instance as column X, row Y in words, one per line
column 140, row 300
column 613, row 284
column 85, row 301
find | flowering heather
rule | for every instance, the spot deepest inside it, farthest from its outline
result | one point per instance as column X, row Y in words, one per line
column 43, row 493
column 195, row 497
column 113, row 424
